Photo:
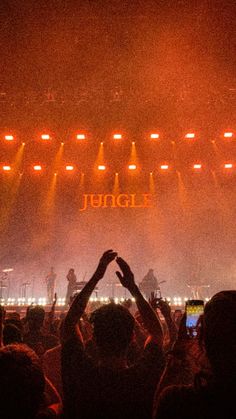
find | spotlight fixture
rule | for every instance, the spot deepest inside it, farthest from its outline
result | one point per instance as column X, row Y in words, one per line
column 80, row 136
column 45, row 137
column 9, row 137
column 164, row 167
column 197, row 166
column 37, row 167
column 6, row 168
column 190, row 135
column 228, row 135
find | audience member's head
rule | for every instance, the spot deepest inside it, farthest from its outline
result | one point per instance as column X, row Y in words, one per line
column 113, row 329
column 11, row 334
column 35, row 317
column 22, row 382
column 219, row 333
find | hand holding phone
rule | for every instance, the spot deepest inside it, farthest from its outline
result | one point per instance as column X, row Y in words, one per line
column 194, row 309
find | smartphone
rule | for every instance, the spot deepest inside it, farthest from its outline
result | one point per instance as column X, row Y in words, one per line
column 194, row 309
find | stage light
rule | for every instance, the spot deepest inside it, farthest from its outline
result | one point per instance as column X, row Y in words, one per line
column 228, row 135
column 154, row 136
column 45, row 137
column 37, row 167
column 80, row 137
column 228, row 166
column 133, row 142
column 190, row 135
column 101, row 167
column 69, row 168
column 9, row 137
column 132, row 167
column 164, row 167
column 197, row 166
column 117, row 136
column 6, row 168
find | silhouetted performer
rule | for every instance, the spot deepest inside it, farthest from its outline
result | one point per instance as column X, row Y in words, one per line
column 50, row 282
column 149, row 284
column 71, row 277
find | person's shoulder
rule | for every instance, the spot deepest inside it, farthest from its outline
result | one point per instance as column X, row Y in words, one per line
column 51, row 353
column 175, row 401
column 176, row 391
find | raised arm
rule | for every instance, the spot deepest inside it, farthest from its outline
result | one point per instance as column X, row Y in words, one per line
column 78, row 306
column 149, row 317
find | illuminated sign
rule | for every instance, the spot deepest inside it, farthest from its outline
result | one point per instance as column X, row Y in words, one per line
column 123, row 200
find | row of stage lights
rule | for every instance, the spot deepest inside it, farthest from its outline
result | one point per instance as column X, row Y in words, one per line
column 118, row 136
column 42, row 301
column 197, row 167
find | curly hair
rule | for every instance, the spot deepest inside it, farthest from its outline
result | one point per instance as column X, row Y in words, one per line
column 22, row 382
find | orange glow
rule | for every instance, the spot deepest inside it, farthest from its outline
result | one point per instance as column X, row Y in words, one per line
column 164, row 167
column 101, row 167
column 37, row 167
column 6, row 168
column 9, row 137
column 197, row 166
column 154, row 136
column 190, row 135
column 116, row 186
column 151, row 183
column 132, row 167
column 45, row 137
column 80, row 137
column 228, row 134
column 69, row 168
column 228, row 166
column 117, row 136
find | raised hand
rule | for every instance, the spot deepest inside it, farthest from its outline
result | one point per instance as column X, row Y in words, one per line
column 105, row 260
column 127, row 279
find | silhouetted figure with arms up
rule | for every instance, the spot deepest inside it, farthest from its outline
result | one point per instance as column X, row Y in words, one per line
column 110, row 389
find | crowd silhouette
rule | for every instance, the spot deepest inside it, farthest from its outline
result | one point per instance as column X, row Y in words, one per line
column 130, row 360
